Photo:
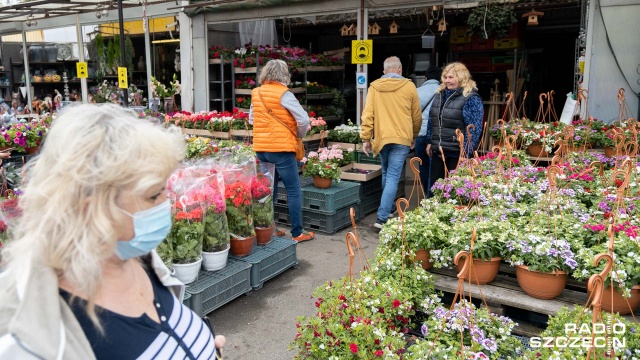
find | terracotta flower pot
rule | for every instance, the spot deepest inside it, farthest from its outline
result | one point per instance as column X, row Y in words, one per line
column 537, row 150
column 609, row 151
column 241, row 247
column 485, row 271
column 541, row 285
column 264, row 234
column 619, row 304
column 33, row 150
column 321, row 183
column 424, row 258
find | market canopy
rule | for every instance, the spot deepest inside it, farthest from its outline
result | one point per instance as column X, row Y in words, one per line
column 44, row 9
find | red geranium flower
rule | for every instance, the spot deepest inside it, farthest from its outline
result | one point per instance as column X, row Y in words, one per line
column 354, row 348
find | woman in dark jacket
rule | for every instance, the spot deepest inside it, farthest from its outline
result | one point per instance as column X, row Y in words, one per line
column 455, row 106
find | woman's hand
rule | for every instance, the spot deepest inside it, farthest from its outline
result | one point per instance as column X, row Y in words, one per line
column 429, row 152
column 220, row 341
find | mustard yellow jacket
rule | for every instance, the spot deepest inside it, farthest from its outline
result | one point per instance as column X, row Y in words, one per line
column 391, row 113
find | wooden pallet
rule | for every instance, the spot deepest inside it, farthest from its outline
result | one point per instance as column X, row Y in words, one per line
column 504, row 296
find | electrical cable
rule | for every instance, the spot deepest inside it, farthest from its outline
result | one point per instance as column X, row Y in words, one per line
column 606, row 33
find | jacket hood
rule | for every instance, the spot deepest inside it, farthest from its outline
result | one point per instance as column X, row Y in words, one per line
column 390, row 84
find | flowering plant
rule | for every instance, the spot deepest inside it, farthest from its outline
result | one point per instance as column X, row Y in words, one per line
column 9, row 211
column 187, row 231
column 239, row 214
column 545, row 253
column 540, row 133
column 315, row 88
column 23, row 136
column 162, row 91
column 245, row 82
column 219, row 52
column 581, row 319
column 196, row 147
column 262, row 195
column 243, row 102
column 423, row 229
column 216, row 229
column 464, row 332
column 323, row 163
column 626, row 272
column 317, row 124
column 348, row 133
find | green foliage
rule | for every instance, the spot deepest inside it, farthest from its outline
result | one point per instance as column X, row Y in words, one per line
column 130, row 53
column 240, row 221
column 492, row 16
column 216, row 231
column 165, row 251
column 102, row 57
column 186, row 237
column 111, row 57
column 580, row 317
column 263, row 212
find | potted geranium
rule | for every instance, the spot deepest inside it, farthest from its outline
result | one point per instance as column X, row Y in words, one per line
column 323, row 166
column 240, row 217
column 316, row 123
column 166, row 93
column 262, row 206
column 186, row 238
column 347, row 136
column 542, row 263
column 540, row 138
column 216, row 246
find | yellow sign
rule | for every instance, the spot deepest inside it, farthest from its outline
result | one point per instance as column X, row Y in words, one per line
column 155, row 25
column 361, row 51
column 81, row 70
column 122, row 78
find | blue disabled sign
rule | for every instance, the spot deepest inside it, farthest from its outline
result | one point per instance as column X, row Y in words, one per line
column 361, row 80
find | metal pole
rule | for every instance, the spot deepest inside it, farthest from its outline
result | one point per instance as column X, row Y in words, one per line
column 27, row 78
column 123, row 62
column 83, row 81
column 147, row 54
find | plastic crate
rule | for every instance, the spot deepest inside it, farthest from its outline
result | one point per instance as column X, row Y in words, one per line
column 282, row 198
column 480, row 43
column 370, row 187
column 370, row 203
column 186, row 300
column 327, row 201
column 214, row 289
column 270, row 260
column 506, row 43
column 460, row 47
column 312, row 145
column 364, row 159
column 324, row 223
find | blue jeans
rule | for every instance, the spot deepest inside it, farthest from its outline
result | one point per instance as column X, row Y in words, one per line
column 425, row 168
column 392, row 158
column 287, row 171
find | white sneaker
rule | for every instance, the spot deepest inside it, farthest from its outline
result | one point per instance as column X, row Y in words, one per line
column 377, row 225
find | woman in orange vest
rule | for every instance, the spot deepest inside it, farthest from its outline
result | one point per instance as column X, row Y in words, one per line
column 278, row 120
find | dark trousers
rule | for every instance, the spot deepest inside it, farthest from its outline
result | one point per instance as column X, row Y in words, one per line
column 437, row 166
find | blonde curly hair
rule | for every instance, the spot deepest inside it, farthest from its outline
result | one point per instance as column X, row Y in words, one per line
column 463, row 75
column 70, row 210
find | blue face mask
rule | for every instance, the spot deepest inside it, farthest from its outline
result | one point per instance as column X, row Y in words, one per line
column 150, row 227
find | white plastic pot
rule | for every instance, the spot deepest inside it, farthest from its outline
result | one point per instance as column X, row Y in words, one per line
column 212, row 261
column 187, row 273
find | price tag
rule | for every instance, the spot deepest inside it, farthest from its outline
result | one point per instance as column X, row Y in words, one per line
column 123, row 83
column 81, row 70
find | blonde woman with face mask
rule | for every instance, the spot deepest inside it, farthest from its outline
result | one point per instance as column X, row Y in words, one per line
column 81, row 278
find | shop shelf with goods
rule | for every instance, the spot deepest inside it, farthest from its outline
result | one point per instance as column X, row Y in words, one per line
column 221, row 84
column 6, row 85
column 491, row 59
column 46, row 77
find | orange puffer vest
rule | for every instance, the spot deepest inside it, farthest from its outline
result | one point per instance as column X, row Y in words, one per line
column 269, row 135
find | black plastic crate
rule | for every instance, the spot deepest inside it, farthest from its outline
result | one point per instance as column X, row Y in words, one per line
column 324, row 223
column 214, row 289
column 270, row 260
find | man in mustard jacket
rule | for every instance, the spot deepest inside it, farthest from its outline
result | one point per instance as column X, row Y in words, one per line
column 391, row 121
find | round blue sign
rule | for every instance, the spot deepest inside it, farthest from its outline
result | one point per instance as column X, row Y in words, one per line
column 362, row 79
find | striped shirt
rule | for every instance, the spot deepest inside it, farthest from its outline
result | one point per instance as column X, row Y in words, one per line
column 181, row 334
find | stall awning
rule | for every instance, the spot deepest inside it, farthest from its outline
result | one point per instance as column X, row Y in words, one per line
column 156, row 25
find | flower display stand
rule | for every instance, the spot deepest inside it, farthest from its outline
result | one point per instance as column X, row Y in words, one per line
column 214, row 289
column 505, row 297
column 338, row 196
column 268, row 261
